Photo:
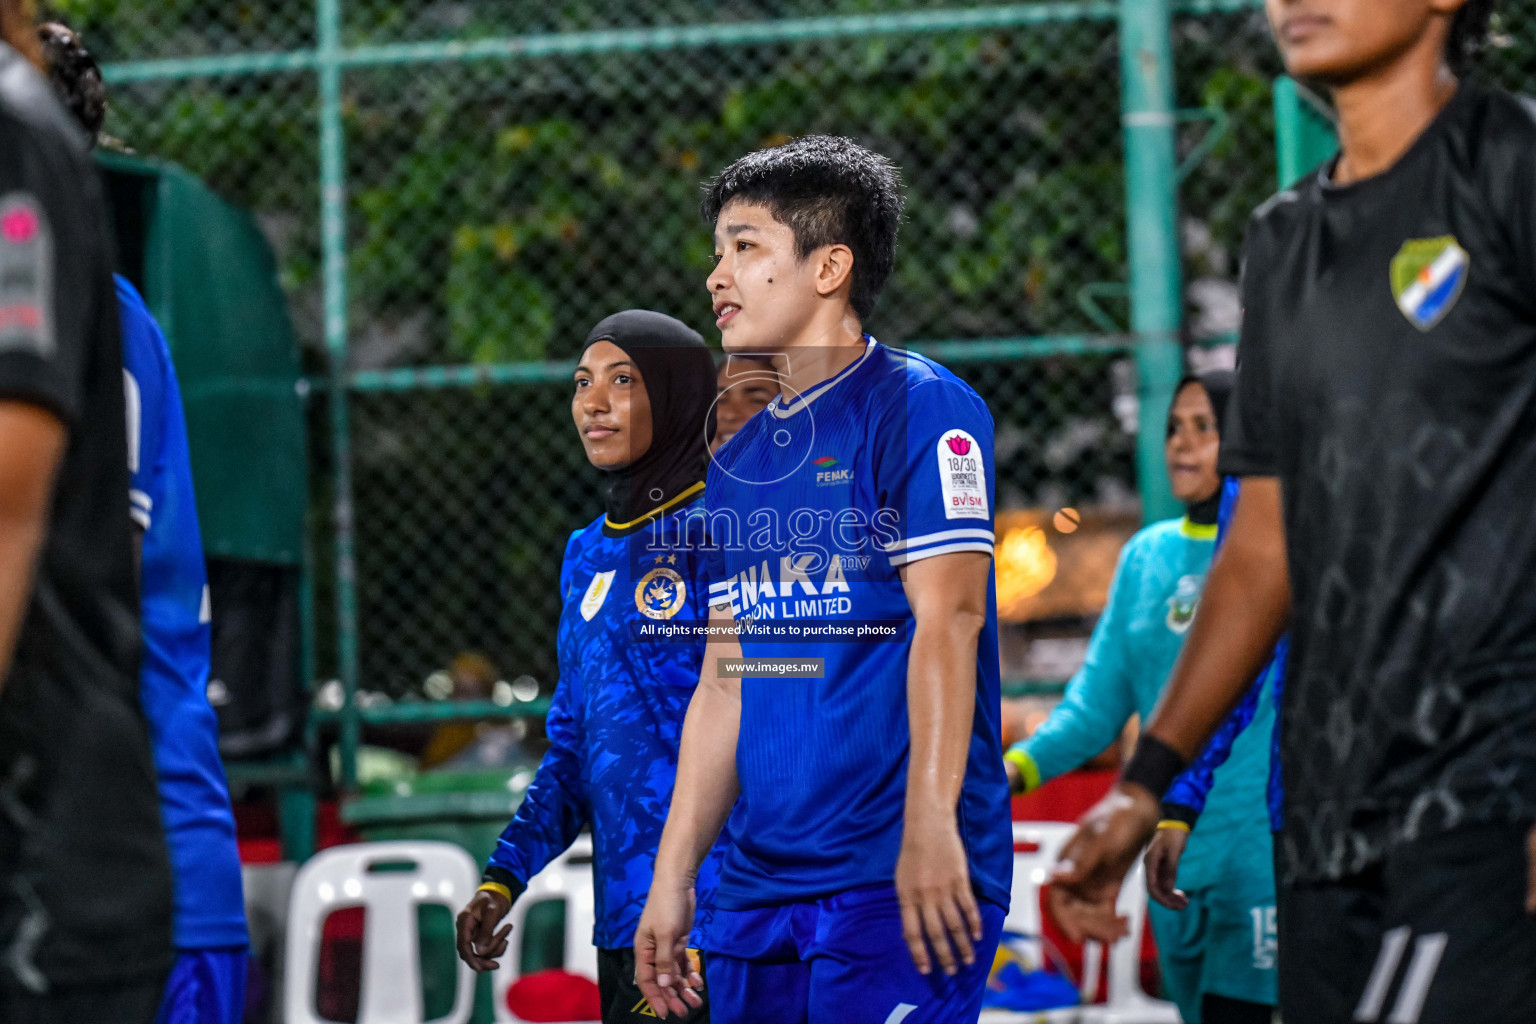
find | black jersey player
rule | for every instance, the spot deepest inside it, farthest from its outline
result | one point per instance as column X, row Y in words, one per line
column 1386, row 421
column 85, row 885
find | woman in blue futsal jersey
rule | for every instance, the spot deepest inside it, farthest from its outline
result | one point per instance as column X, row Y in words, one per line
column 643, row 392
column 1218, row 954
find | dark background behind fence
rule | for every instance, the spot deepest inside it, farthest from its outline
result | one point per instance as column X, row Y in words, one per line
column 497, row 208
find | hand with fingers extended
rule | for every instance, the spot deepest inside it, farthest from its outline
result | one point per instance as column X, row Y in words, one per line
column 1162, row 862
column 939, row 916
column 479, row 941
column 1086, row 882
column 665, row 973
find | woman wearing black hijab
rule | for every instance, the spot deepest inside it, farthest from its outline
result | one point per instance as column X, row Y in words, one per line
column 643, row 394
column 1189, row 469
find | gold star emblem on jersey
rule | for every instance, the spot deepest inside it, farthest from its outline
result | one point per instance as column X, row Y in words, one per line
column 597, row 592
column 660, row 593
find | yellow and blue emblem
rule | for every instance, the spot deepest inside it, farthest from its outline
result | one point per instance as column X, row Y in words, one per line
column 1428, row 275
column 660, row 593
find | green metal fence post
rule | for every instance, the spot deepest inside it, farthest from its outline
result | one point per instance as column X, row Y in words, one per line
column 1152, row 209
column 1304, row 134
column 333, row 220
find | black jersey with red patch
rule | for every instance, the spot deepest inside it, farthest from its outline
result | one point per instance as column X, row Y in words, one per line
column 1387, row 377
column 85, row 888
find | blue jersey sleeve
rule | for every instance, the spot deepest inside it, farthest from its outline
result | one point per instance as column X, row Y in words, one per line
column 933, row 473
column 1186, row 798
column 146, row 367
column 556, row 806
column 1099, row 700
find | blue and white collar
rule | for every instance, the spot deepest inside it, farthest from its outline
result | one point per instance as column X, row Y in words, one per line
column 779, row 410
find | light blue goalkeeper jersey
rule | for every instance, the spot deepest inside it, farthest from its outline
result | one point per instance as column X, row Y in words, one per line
column 1152, row 602
column 1187, row 796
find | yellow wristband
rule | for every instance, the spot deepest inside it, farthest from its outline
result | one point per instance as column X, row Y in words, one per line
column 496, row 887
column 1182, row 826
column 1029, row 772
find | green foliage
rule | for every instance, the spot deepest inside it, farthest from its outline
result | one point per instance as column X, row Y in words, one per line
column 498, row 208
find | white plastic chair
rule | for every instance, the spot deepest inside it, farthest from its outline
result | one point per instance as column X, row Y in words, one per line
column 568, row 877
column 1031, row 869
column 347, row 876
column 1127, row 1002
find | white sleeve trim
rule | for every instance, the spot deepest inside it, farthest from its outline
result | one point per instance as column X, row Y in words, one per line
column 139, row 507
column 132, row 406
column 935, row 538
column 909, row 557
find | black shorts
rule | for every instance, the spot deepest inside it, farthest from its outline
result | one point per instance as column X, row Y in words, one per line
column 622, row 1001
column 1435, row 934
column 128, row 1002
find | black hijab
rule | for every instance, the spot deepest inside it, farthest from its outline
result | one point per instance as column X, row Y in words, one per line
column 1218, row 386
column 679, row 377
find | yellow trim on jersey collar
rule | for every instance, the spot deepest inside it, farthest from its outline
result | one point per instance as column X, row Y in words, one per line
column 1197, row 531
column 659, row 509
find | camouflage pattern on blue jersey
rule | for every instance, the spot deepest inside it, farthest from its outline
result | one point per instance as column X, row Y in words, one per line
column 616, row 719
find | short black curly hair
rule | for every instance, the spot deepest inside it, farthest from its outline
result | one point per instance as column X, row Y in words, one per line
column 75, row 75
column 829, row 191
column 1469, row 34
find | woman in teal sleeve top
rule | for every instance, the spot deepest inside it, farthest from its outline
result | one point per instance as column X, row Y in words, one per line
column 1218, row 954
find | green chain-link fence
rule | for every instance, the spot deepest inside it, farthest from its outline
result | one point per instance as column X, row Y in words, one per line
column 509, row 173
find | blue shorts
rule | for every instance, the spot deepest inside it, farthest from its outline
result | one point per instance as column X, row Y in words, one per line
column 207, row 986
column 839, row 960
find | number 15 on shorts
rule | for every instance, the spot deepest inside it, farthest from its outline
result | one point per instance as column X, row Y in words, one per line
column 1266, row 938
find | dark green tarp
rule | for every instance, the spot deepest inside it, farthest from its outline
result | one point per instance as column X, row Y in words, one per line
column 209, row 277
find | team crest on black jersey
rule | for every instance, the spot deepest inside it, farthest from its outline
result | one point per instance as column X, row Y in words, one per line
column 1428, row 275
column 660, row 593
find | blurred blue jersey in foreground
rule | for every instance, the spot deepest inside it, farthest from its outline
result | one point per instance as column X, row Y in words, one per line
column 173, row 587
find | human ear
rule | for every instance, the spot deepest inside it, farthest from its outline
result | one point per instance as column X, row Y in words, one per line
column 834, row 269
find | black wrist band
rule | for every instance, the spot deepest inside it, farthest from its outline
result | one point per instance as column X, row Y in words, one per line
column 1154, row 766
column 501, row 876
column 1180, row 812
